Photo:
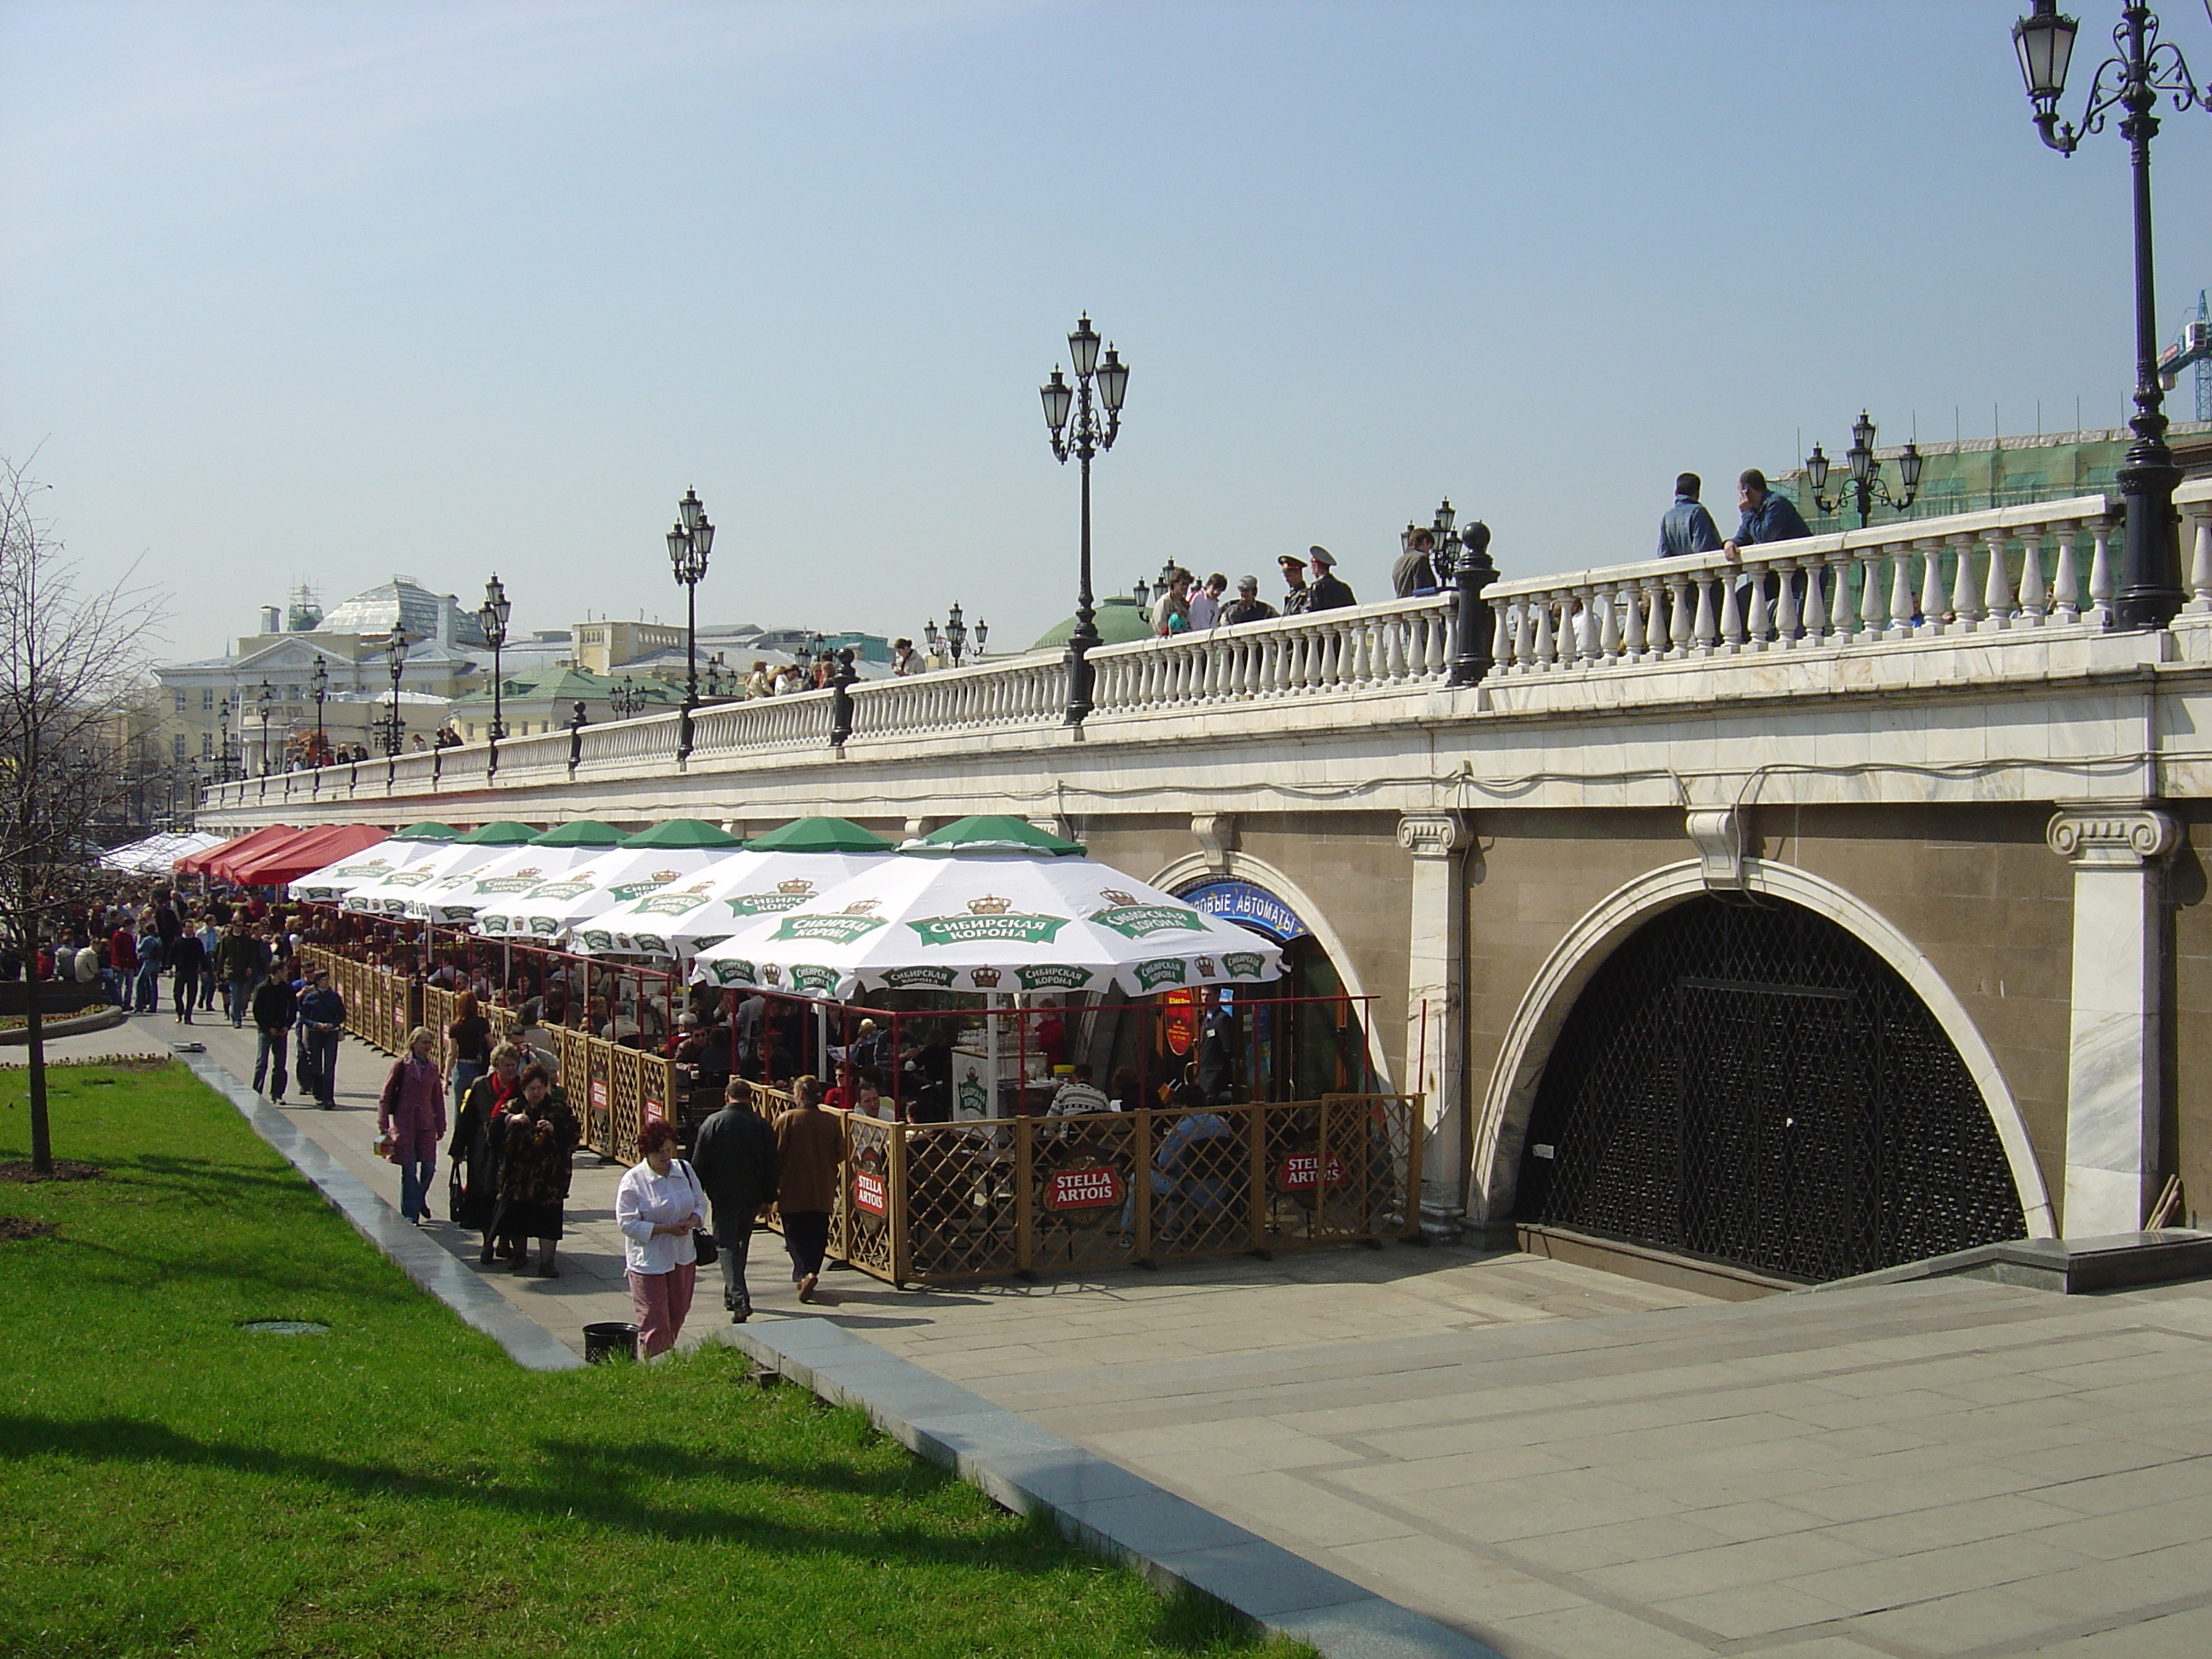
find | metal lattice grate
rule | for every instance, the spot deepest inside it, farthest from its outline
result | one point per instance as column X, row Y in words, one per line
column 1746, row 1082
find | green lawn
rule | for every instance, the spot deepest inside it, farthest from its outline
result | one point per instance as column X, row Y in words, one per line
column 170, row 1483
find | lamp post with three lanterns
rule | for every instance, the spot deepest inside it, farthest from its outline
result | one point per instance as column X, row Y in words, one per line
column 2149, row 590
column 689, row 543
column 491, row 618
column 1090, row 433
column 1867, row 487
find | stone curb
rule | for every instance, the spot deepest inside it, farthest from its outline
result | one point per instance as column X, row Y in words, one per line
column 1174, row 1543
column 529, row 1344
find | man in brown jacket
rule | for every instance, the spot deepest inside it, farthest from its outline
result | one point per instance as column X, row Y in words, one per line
column 810, row 1151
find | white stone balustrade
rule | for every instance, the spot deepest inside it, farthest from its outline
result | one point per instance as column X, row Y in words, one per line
column 1915, row 579
column 2045, row 566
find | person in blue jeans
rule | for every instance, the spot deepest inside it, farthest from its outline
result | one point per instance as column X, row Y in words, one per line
column 275, row 1011
column 322, row 1028
column 147, row 989
column 411, row 1110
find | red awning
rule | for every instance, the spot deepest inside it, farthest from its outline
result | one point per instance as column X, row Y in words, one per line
column 310, row 850
column 202, row 862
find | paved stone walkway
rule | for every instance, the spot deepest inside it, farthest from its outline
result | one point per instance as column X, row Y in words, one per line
column 1568, row 1465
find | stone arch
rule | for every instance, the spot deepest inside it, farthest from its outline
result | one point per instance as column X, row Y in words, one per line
column 1551, row 996
column 1196, row 867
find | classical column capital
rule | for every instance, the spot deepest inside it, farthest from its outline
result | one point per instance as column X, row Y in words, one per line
column 1437, row 834
column 1717, row 834
column 2117, row 837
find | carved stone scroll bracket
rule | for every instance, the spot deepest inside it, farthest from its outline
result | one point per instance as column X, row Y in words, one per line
column 1717, row 834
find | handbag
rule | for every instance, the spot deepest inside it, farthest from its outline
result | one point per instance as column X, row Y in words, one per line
column 706, row 1252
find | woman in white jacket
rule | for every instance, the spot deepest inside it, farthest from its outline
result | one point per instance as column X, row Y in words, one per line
column 658, row 1206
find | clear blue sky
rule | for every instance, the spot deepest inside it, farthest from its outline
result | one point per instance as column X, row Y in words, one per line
column 326, row 291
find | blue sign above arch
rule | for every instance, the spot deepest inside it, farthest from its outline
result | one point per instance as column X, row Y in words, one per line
column 1248, row 906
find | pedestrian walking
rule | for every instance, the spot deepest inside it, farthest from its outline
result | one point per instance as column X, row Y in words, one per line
column 810, row 1151
column 240, row 960
column 658, row 1206
column 153, row 956
column 410, row 1110
column 468, row 1046
column 187, row 959
column 275, row 1008
column 322, row 1027
column 541, row 1137
column 479, row 1133
column 735, row 1160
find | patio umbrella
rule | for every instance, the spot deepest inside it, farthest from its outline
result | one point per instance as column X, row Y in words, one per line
column 457, row 897
column 990, row 904
column 281, row 864
column 390, row 896
column 775, row 872
column 402, row 850
column 642, row 864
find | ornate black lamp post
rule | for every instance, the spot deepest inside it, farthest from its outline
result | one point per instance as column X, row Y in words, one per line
column 950, row 642
column 268, row 696
column 626, row 699
column 491, row 618
column 222, row 741
column 1086, row 437
column 1867, row 487
column 1460, row 558
column 321, row 680
column 2149, row 589
column 395, row 657
column 689, row 544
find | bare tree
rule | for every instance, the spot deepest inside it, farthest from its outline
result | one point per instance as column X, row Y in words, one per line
column 70, row 666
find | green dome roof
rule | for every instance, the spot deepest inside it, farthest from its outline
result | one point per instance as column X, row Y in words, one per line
column 1120, row 620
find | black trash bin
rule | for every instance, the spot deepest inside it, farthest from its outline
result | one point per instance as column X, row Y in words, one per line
column 608, row 1340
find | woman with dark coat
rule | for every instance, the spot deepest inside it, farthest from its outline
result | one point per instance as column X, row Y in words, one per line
column 478, row 1136
column 540, row 1136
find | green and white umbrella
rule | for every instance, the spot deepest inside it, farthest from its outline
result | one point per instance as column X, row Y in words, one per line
column 778, row 871
column 403, row 849
column 642, row 865
column 990, row 904
column 457, row 898
column 390, row 895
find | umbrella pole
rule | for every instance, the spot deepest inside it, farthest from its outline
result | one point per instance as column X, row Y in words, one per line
column 991, row 1006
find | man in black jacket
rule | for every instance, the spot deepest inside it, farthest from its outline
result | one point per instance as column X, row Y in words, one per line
column 735, row 1161
column 275, row 1011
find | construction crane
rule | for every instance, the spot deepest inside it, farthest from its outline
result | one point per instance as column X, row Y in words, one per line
column 2195, row 346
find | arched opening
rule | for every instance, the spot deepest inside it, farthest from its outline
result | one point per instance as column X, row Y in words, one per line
column 1744, row 1081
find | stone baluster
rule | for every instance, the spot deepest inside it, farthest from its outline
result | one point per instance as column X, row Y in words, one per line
column 2101, row 576
column 1758, row 616
column 1996, row 591
column 2066, row 582
column 2032, row 596
column 1964, row 610
column 1682, row 620
column 1789, row 621
column 2200, row 565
